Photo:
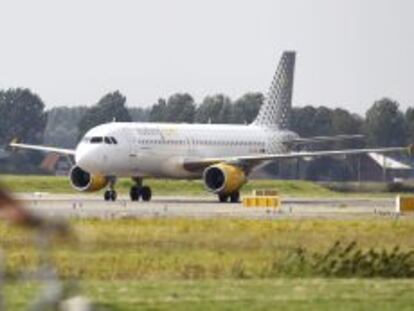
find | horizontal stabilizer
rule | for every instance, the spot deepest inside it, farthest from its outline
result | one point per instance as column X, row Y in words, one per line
column 322, row 139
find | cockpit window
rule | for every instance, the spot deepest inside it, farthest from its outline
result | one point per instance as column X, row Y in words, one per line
column 96, row 140
column 100, row 140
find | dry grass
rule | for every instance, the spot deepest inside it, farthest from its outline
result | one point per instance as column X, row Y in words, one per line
column 199, row 249
column 181, row 264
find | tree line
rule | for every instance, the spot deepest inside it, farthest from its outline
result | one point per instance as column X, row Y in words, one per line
column 24, row 116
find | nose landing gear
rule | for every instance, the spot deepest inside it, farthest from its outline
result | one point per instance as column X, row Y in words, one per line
column 110, row 194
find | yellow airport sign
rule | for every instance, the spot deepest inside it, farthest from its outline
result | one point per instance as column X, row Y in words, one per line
column 404, row 204
column 262, row 198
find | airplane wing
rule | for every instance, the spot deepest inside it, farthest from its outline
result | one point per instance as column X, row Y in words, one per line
column 253, row 160
column 322, row 139
column 43, row 148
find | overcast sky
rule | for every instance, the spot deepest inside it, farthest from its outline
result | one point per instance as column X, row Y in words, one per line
column 350, row 52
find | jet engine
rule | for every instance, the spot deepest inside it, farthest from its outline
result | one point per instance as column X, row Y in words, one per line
column 223, row 178
column 84, row 181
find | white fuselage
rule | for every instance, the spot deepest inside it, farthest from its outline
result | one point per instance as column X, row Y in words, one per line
column 160, row 149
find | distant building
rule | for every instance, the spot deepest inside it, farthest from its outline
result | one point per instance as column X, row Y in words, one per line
column 377, row 167
column 364, row 167
column 3, row 154
column 56, row 164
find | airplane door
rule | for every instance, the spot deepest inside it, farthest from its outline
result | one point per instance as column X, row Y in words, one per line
column 132, row 149
column 144, row 155
column 190, row 145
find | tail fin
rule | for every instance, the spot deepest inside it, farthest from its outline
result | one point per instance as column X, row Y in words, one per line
column 275, row 112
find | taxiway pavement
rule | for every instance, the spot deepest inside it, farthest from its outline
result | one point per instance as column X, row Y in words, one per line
column 87, row 206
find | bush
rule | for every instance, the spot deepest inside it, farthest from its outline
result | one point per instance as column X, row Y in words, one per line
column 400, row 187
column 349, row 261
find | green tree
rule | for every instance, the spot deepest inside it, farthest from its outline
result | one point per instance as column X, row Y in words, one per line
column 343, row 122
column 409, row 120
column 180, row 108
column 216, row 108
column 111, row 107
column 158, row 111
column 62, row 126
column 246, row 108
column 22, row 116
column 322, row 122
column 139, row 114
column 385, row 124
column 302, row 121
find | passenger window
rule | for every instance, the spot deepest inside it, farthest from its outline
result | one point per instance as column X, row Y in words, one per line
column 96, row 140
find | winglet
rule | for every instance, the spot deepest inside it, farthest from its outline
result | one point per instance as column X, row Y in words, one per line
column 12, row 142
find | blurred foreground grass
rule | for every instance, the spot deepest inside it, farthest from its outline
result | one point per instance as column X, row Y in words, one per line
column 232, row 295
column 59, row 184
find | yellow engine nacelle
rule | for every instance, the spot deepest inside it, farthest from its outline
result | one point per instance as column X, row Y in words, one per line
column 223, row 178
column 84, row 181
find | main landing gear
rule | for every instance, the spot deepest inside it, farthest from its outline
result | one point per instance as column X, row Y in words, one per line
column 110, row 195
column 234, row 197
column 138, row 191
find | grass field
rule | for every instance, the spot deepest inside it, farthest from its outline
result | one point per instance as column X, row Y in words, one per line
column 202, row 249
column 222, row 264
column 232, row 295
column 54, row 184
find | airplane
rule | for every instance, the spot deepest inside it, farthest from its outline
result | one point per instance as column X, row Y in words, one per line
column 222, row 155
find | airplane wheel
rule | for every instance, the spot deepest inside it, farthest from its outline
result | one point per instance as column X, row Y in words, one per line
column 146, row 193
column 135, row 193
column 114, row 195
column 107, row 195
column 223, row 198
column 110, row 195
column 235, row 197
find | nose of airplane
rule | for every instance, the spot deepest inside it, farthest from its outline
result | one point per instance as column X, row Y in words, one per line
column 84, row 159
